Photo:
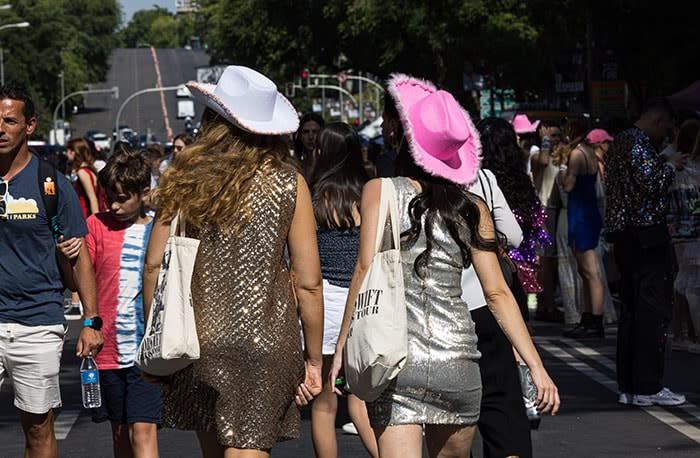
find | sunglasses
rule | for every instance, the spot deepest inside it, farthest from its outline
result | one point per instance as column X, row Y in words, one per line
column 3, row 198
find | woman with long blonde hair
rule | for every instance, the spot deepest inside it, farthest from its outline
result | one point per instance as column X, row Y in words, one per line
column 236, row 190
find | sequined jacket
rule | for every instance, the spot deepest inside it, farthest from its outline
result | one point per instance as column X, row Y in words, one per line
column 636, row 182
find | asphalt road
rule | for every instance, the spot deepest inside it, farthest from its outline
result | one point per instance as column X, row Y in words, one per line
column 132, row 70
column 590, row 424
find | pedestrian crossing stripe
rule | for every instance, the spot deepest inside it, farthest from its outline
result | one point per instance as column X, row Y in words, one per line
column 660, row 413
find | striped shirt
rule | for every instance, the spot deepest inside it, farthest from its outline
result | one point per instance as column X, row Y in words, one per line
column 118, row 250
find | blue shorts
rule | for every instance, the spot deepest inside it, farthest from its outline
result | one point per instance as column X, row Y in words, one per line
column 127, row 398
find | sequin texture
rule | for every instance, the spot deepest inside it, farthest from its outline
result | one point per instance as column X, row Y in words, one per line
column 243, row 386
column 525, row 256
column 636, row 183
column 440, row 383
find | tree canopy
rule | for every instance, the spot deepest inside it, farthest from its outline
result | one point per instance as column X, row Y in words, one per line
column 60, row 38
column 517, row 43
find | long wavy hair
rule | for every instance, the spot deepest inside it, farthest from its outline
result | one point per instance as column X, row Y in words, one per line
column 337, row 177
column 209, row 179
column 502, row 156
column 439, row 199
column 575, row 134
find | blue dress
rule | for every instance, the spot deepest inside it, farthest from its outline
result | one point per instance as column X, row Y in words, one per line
column 584, row 217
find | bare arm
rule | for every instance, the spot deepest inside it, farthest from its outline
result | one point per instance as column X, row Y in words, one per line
column 308, row 284
column 567, row 175
column 68, row 250
column 369, row 214
column 89, row 188
column 306, row 270
column 154, row 257
column 504, row 308
column 90, row 341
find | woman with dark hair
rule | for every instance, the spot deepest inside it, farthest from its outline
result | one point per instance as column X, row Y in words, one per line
column 305, row 140
column 578, row 175
column 444, row 229
column 502, row 156
column 80, row 153
column 78, row 150
column 336, row 179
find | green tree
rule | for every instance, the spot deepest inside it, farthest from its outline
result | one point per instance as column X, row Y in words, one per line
column 59, row 39
column 163, row 32
column 432, row 39
column 138, row 30
column 157, row 27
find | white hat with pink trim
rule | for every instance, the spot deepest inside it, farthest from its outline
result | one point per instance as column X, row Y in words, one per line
column 249, row 100
column 441, row 136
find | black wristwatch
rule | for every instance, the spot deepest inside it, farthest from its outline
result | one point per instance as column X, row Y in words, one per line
column 95, row 323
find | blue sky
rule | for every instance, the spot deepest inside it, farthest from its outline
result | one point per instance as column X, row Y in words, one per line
column 129, row 7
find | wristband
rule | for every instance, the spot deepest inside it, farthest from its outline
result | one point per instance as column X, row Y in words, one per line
column 563, row 168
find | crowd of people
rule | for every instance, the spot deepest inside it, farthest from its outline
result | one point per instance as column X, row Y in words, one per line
column 494, row 216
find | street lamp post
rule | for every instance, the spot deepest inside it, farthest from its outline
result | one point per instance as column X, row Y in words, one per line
column 134, row 95
column 18, row 25
column 114, row 90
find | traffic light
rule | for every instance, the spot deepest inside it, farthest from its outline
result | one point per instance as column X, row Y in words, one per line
column 305, row 78
column 289, row 90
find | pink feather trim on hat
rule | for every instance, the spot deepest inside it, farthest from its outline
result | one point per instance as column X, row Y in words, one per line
column 468, row 155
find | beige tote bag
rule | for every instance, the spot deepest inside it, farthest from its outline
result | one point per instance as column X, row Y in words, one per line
column 170, row 340
column 375, row 350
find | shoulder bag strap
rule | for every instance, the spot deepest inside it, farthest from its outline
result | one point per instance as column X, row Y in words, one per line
column 387, row 207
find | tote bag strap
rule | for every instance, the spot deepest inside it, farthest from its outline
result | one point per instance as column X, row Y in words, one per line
column 174, row 224
column 388, row 206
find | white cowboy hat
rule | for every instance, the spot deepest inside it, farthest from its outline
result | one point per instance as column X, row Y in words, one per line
column 249, row 100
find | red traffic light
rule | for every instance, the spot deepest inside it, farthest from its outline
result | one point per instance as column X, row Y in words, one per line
column 305, row 78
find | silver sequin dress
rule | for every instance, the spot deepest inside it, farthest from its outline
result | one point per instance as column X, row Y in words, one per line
column 243, row 386
column 440, row 383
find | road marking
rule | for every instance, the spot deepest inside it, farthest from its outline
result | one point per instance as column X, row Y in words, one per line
column 607, row 362
column 163, row 106
column 64, row 423
column 657, row 412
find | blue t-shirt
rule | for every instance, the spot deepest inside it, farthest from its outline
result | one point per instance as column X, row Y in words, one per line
column 31, row 291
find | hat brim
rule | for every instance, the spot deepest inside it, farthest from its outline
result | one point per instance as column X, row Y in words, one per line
column 531, row 129
column 406, row 91
column 284, row 118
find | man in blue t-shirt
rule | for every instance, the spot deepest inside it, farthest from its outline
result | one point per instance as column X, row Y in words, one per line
column 32, row 325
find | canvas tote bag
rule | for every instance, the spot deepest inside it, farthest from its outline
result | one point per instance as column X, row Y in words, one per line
column 170, row 340
column 375, row 350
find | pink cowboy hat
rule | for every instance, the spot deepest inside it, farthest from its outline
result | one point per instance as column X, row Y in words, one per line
column 522, row 124
column 441, row 136
column 249, row 100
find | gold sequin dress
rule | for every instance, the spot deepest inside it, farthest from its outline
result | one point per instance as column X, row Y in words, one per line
column 243, row 386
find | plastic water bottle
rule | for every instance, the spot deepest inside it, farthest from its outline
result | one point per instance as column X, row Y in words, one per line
column 90, row 383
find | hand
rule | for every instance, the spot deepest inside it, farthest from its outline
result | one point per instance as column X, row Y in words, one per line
column 311, row 386
column 547, row 393
column 90, row 342
column 336, row 365
column 70, row 248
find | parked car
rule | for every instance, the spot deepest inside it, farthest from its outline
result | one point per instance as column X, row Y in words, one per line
column 100, row 139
